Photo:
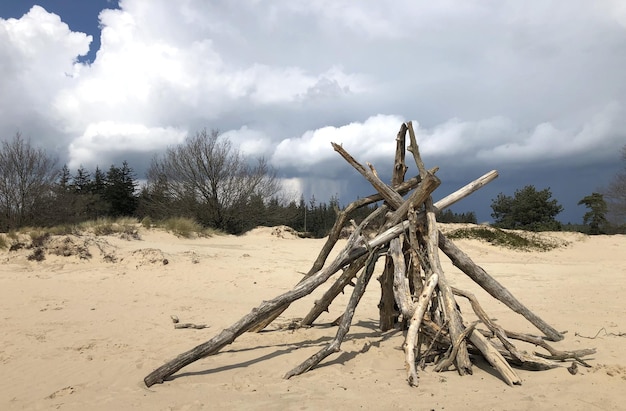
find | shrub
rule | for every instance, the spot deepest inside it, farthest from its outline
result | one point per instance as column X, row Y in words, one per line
column 183, row 227
column 507, row 239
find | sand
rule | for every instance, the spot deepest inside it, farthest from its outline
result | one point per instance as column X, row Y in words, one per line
column 82, row 333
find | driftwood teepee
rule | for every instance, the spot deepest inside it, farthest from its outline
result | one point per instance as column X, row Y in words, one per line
column 415, row 292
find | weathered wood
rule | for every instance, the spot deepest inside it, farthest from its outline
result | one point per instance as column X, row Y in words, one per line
column 346, row 319
column 414, row 325
column 423, row 190
column 387, row 312
column 456, row 343
column 345, row 214
column 493, row 327
column 466, row 190
column 387, row 308
column 415, row 279
column 493, row 356
column 414, row 149
column 493, row 287
column 401, row 291
column 554, row 353
column 338, row 286
column 399, row 166
column 451, row 312
column 385, row 191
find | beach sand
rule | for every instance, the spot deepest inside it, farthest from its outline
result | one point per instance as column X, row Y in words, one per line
column 81, row 334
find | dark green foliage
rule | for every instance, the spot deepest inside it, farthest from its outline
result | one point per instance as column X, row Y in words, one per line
column 447, row 216
column 528, row 209
column 503, row 238
column 119, row 191
column 595, row 218
column 615, row 196
column 81, row 182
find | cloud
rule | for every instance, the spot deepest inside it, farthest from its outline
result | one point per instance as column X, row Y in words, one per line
column 368, row 140
column 103, row 142
column 38, row 55
column 505, row 84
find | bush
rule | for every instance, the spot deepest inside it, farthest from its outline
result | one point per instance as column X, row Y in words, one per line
column 125, row 226
column 183, row 227
column 528, row 209
column 507, row 239
column 4, row 242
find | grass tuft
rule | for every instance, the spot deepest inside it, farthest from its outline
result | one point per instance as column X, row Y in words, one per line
column 125, row 226
column 183, row 227
column 4, row 242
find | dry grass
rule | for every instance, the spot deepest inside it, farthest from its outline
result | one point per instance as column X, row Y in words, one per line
column 515, row 240
column 186, row 228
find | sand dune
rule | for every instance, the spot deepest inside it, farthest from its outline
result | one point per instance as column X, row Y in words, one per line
column 81, row 329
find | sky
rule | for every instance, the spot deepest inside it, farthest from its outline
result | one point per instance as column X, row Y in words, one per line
column 534, row 89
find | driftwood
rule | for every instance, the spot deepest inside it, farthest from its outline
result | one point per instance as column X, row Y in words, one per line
column 414, row 287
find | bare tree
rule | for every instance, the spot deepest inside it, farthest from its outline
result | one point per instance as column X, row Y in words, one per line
column 208, row 178
column 615, row 194
column 26, row 178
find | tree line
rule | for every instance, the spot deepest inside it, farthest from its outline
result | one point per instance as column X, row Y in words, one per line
column 209, row 180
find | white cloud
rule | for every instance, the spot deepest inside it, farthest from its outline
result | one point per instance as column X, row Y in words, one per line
column 252, row 143
column 369, row 140
column 103, row 140
column 38, row 55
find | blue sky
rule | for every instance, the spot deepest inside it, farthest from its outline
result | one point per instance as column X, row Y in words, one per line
column 533, row 89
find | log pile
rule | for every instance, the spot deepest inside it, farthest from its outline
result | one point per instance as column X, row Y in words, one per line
column 416, row 296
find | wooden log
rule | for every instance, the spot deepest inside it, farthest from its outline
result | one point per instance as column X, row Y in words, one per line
column 493, row 287
column 424, row 189
column 387, row 308
column 415, row 279
column 383, row 189
column 345, row 214
column 338, row 286
column 414, row 149
column 414, row 325
column 466, row 190
column 554, row 353
column 455, row 344
column 451, row 312
column 401, row 290
column 387, row 311
column 493, row 356
column 493, row 327
column 346, row 319
column 399, row 167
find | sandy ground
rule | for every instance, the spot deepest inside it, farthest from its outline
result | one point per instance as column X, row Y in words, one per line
column 81, row 334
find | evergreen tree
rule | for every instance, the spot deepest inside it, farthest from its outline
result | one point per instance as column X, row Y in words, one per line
column 119, row 191
column 595, row 218
column 81, row 183
column 528, row 209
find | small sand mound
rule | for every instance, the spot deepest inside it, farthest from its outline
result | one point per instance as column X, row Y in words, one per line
column 281, row 231
column 146, row 256
column 67, row 247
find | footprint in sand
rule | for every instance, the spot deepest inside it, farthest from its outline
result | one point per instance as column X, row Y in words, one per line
column 62, row 392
